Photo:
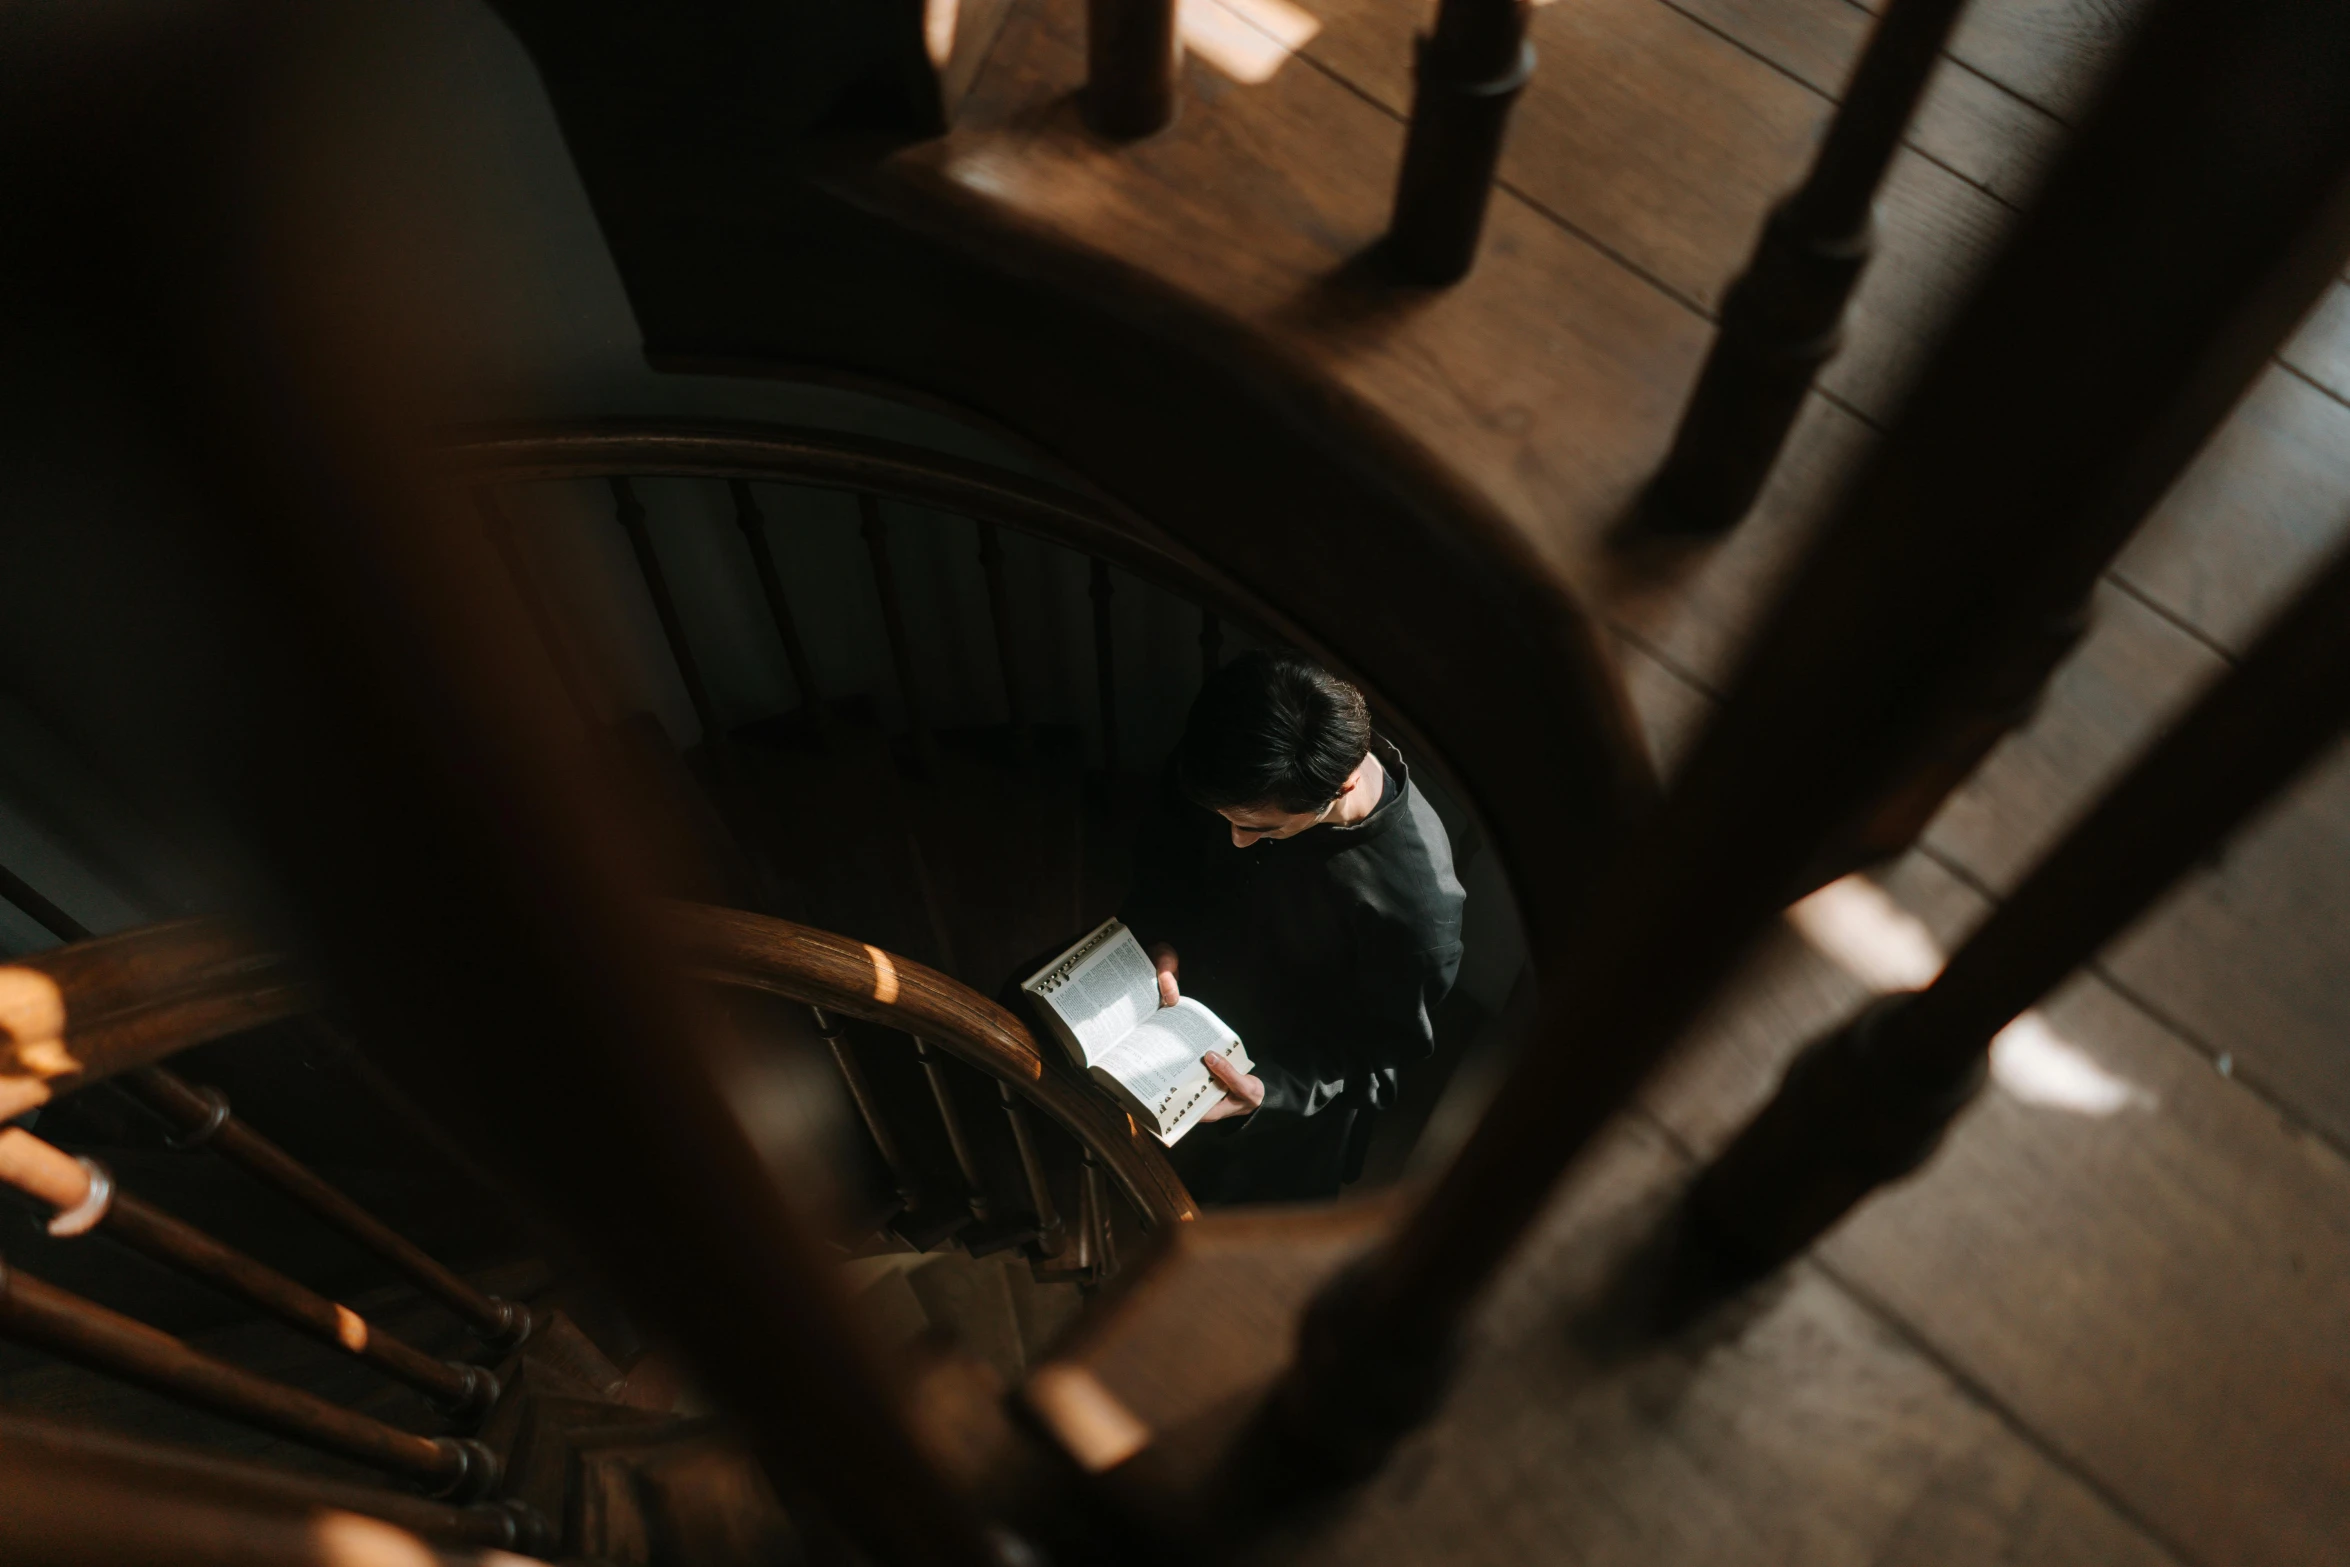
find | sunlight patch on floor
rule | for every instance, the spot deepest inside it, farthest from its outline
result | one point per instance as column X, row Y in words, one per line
column 1857, row 926
column 1247, row 40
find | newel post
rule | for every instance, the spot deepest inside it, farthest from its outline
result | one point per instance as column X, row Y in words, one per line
column 1784, row 316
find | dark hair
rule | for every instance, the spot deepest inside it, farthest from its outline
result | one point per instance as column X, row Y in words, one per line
column 1272, row 729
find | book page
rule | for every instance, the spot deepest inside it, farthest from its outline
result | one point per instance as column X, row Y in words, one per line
column 1158, row 1063
column 1099, row 989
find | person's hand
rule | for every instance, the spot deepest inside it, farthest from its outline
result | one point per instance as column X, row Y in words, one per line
column 1243, row 1091
column 1163, row 957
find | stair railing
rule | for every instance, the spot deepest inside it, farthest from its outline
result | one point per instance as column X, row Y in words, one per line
column 845, row 978
column 2077, row 381
column 141, row 1468
column 1784, row 316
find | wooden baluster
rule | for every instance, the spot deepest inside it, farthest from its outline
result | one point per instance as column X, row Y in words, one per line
column 1869, row 1103
column 152, row 1467
column 834, row 1030
column 893, row 622
column 942, row 1094
column 1784, row 317
column 1211, row 643
column 787, row 629
column 85, row 1197
column 1051, row 1237
column 204, row 1119
column 1467, row 72
column 1103, row 1240
column 498, row 523
column 42, row 912
column 49, row 1318
column 1105, row 665
column 631, row 514
column 1133, row 66
column 2070, row 390
column 999, row 604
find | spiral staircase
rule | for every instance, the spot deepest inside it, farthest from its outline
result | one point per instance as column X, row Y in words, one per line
column 1926, row 1137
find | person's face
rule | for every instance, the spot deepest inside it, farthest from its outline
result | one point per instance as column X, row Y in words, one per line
column 1253, row 822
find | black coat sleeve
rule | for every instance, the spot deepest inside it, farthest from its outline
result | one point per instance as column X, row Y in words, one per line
column 1348, row 1049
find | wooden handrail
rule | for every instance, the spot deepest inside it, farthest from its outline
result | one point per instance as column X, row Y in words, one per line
column 78, row 1013
column 816, row 968
column 1784, row 317
column 43, row 1315
column 152, row 1468
column 84, row 1195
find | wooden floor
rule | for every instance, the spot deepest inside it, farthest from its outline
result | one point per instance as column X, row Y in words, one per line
column 2111, row 1323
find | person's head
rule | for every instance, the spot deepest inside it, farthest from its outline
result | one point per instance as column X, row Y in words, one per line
column 1274, row 743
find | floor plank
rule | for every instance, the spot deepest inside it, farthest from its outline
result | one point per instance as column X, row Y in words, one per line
column 2263, row 502
column 2135, row 1255
column 2249, row 956
column 2163, row 1289
column 2321, row 349
column 2135, row 671
column 1797, row 1429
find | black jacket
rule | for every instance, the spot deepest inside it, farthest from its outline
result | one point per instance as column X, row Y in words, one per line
column 1327, row 952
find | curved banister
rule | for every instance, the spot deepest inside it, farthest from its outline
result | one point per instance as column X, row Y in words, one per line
column 94, row 1008
column 833, row 459
column 758, row 952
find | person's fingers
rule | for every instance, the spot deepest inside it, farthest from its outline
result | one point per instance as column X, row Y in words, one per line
column 1168, row 994
column 1164, row 959
column 1220, row 1068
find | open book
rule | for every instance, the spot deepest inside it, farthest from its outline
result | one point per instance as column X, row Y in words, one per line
column 1101, row 998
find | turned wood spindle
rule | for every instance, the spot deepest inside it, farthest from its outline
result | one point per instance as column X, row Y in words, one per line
column 833, row 1029
column 631, row 514
column 1105, row 664
column 1052, row 1236
column 1467, row 72
column 28, row 1443
column 950, row 1115
column 875, row 529
column 1133, row 66
column 999, row 605
column 1784, row 316
column 205, row 1120
column 49, row 1318
column 787, row 629
column 85, row 1199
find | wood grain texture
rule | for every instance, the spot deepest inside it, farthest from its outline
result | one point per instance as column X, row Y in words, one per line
column 2263, row 502
column 1794, row 1428
column 2135, row 669
column 2248, row 956
column 2156, row 1291
column 77, row 1013
column 2163, row 1290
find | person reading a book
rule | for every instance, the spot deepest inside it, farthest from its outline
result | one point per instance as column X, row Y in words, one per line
column 1293, row 879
